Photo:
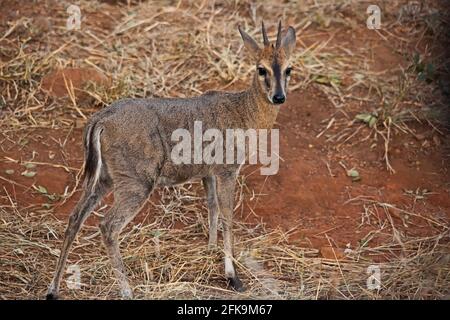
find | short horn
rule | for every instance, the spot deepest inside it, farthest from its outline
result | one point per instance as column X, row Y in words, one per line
column 265, row 38
column 278, row 43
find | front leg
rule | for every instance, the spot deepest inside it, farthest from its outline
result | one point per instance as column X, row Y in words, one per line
column 225, row 193
column 213, row 207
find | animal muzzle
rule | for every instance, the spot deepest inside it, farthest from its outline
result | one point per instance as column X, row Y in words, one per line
column 278, row 98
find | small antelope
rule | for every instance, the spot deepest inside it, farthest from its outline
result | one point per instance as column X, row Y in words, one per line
column 128, row 149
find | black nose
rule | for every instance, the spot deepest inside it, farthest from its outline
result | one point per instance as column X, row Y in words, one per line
column 278, row 98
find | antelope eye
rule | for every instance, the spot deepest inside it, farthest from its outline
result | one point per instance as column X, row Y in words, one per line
column 262, row 71
column 288, row 71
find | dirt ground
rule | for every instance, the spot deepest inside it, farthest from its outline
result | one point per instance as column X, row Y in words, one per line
column 311, row 194
column 401, row 191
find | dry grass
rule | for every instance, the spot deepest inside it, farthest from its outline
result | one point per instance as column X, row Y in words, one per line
column 175, row 263
column 183, row 49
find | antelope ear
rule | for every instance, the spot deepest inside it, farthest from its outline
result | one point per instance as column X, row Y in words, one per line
column 288, row 41
column 249, row 43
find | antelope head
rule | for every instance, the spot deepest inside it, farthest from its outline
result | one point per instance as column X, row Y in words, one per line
column 273, row 68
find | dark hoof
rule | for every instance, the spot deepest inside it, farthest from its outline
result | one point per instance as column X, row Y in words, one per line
column 236, row 284
column 51, row 296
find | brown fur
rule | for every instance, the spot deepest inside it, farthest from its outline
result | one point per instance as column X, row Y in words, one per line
column 128, row 148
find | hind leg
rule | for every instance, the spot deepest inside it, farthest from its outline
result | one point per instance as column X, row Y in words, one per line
column 129, row 196
column 213, row 207
column 90, row 198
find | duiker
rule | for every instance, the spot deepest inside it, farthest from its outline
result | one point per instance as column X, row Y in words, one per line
column 128, row 147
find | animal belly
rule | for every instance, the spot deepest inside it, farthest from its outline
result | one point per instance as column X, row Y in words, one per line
column 178, row 174
column 170, row 181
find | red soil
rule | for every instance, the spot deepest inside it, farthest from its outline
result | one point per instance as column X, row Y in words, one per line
column 306, row 197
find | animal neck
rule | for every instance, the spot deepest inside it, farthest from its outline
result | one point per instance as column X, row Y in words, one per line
column 262, row 114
